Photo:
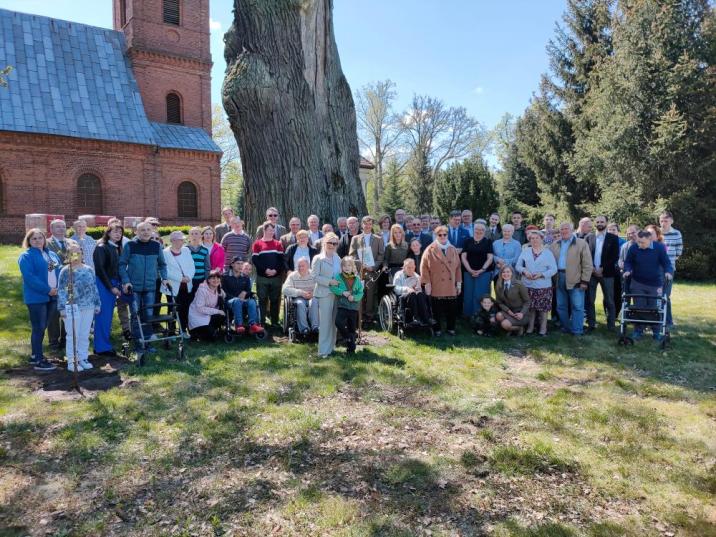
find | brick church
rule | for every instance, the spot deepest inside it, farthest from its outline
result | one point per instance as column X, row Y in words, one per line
column 109, row 122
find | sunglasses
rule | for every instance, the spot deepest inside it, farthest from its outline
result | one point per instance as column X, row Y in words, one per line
column 442, row 234
column 273, row 216
column 332, row 243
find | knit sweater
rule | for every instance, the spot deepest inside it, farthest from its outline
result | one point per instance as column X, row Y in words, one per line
column 268, row 255
column 202, row 264
column 402, row 283
column 295, row 285
column 236, row 245
column 674, row 245
column 648, row 265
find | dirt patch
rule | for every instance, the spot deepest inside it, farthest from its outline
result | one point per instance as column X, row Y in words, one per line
column 60, row 385
column 373, row 339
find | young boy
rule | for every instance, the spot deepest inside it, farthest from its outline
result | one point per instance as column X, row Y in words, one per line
column 236, row 283
column 350, row 292
column 484, row 320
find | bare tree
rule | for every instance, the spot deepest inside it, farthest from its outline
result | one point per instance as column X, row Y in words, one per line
column 438, row 134
column 224, row 137
column 379, row 130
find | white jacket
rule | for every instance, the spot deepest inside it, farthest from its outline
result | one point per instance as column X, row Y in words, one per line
column 177, row 267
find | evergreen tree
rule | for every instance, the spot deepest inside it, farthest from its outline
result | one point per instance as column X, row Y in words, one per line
column 465, row 185
column 419, row 195
column 392, row 197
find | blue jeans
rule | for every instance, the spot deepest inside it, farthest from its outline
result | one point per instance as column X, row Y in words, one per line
column 39, row 315
column 667, row 291
column 237, row 306
column 567, row 298
column 142, row 314
column 474, row 288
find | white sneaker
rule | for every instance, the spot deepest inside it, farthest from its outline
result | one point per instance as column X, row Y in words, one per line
column 86, row 364
column 71, row 366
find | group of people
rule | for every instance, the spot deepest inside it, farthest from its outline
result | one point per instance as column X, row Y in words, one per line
column 335, row 276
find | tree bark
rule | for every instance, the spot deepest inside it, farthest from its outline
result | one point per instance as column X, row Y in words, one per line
column 291, row 110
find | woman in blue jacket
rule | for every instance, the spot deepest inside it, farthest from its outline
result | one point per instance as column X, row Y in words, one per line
column 40, row 269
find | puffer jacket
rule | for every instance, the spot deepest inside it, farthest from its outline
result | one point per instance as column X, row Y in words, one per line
column 141, row 263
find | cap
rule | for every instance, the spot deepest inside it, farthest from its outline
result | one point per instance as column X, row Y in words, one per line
column 152, row 220
column 235, row 259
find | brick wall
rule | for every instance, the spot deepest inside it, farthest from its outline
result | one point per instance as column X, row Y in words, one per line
column 39, row 175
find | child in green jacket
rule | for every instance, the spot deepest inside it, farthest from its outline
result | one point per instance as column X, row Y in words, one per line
column 350, row 292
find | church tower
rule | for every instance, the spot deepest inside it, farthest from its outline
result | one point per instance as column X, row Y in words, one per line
column 168, row 44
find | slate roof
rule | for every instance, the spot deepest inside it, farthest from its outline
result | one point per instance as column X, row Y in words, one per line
column 75, row 80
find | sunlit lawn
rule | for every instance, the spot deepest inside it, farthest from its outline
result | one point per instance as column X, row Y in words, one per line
column 516, row 437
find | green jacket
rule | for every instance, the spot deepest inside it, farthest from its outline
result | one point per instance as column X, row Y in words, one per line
column 341, row 288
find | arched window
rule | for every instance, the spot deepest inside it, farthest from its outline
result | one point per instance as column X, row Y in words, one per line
column 89, row 194
column 187, row 204
column 171, row 12
column 173, row 108
column 122, row 12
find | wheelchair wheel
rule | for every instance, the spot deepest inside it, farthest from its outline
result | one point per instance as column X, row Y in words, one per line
column 125, row 350
column 181, row 352
column 385, row 313
column 292, row 337
column 401, row 332
column 228, row 336
column 260, row 336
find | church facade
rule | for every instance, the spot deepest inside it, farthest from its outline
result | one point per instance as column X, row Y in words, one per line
column 109, row 122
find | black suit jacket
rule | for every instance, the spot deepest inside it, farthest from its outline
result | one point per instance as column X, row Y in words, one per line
column 344, row 245
column 610, row 253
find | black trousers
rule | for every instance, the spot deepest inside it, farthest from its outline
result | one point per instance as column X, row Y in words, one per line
column 208, row 332
column 444, row 307
column 183, row 301
column 415, row 306
column 347, row 322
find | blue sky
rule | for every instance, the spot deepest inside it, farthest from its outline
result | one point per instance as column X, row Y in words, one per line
column 486, row 55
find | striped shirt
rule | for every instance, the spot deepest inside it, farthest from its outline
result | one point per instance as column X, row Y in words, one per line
column 674, row 245
column 236, row 245
column 200, row 255
column 268, row 255
column 296, row 284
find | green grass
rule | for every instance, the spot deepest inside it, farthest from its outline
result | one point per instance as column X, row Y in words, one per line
column 512, row 437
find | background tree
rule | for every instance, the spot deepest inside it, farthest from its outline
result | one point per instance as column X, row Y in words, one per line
column 291, row 110
column 378, row 129
column 468, row 184
column 232, row 181
column 393, row 195
column 434, row 135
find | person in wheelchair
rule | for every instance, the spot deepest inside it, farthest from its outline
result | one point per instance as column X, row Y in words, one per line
column 237, row 286
column 413, row 302
column 299, row 287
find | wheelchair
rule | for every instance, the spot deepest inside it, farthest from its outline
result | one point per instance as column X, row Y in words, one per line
column 392, row 317
column 228, row 327
column 290, row 324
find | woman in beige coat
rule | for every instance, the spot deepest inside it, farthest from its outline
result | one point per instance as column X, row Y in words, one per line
column 324, row 268
column 441, row 275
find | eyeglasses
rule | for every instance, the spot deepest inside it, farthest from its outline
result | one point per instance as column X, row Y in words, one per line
column 332, row 243
column 442, row 234
column 273, row 216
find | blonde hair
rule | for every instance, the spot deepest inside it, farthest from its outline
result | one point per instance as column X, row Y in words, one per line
column 301, row 233
column 350, row 263
column 393, row 229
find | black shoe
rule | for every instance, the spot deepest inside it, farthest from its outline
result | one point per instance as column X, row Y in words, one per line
column 589, row 329
column 43, row 365
column 351, row 347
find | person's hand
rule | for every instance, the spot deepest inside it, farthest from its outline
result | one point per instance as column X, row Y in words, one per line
column 659, row 291
column 598, row 272
column 306, row 295
column 458, row 287
column 527, row 274
column 53, row 291
column 519, row 315
column 333, row 282
column 627, row 274
column 428, row 289
column 96, row 311
column 350, row 298
column 500, row 264
column 411, row 289
column 63, row 314
column 537, row 276
column 116, row 292
column 165, row 282
column 475, row 273
column 185, row 279
column 668, row 276
column 221, row 312
column 583, row 286
column 127, row 287
column 270, row 272
column 367, row 268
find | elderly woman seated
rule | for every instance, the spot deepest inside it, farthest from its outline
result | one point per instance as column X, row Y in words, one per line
column 299, row 287
column 414, row 303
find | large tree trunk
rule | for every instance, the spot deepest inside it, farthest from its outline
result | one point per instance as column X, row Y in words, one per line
column 291, row 110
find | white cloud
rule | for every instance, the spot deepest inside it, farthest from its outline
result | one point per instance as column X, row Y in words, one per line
column 214, row 25
column 479, row 90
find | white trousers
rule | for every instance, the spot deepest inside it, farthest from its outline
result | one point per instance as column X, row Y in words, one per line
column 82, row 323
column 327, row 324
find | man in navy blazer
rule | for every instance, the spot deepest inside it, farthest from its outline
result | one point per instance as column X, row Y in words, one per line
column 417, row 233
column 456, row 233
